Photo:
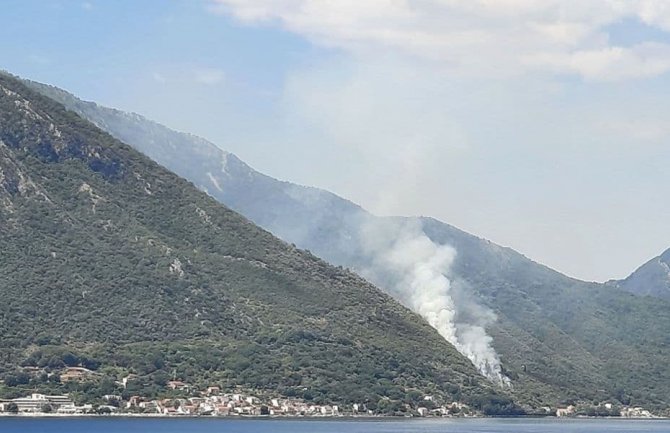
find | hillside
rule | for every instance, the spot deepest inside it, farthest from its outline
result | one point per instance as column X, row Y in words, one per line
column 558, row 333
column 110, row 261
column 556, row 338
column 651, row 279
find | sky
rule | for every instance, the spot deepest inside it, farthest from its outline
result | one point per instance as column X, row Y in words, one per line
column 540, row 125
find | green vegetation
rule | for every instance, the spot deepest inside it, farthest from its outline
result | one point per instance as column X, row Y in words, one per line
column 561, row 338
column 111, row 262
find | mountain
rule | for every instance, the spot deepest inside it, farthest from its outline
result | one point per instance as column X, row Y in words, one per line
column 651, row 279
column 553, row 338
column 287, row 210
column 112, row 262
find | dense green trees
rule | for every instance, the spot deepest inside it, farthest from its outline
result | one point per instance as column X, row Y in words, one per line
column 558, row 338
column 112, row 263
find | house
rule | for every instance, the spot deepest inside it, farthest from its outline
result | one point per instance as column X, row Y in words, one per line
column 178, row 385
column 635, row 412
column 73, row 410
column 36, row 402
column 169, row 411
column 213, row 390
column 68, row 410
column 59, row 400
column 255, row 411
column 196, row 401
column 125, row 380
column 133, row 401
column 565, row 411
column 187, row 409
column 111, row 397
column 108, row 408
column 222, row 410
column 75, row 373
column 206, row 409
column 150, row 406
column 423, row 411
column 32, row 371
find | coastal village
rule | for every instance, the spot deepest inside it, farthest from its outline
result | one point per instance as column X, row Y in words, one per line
column 213, row 401
column 210, row 402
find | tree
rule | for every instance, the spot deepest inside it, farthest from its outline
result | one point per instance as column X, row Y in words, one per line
column 103, row 410
column 12, row 408
column 20, row 378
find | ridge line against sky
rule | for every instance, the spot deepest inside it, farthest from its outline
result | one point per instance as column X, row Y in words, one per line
column 538, row 125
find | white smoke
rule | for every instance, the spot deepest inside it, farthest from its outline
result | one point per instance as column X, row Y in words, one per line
column 414, row 269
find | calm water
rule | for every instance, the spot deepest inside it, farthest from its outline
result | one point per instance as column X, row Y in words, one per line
column 80, row 425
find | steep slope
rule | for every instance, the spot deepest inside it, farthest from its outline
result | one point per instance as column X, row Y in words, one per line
column 305, row 216
column 583, row 339
column 650, row 279
column 554, row 337
column 110, row 261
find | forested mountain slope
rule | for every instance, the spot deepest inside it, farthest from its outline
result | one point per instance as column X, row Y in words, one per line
column 557, row 339
column 111, row 261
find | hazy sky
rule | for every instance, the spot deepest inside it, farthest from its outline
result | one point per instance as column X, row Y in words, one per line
column 541, row 125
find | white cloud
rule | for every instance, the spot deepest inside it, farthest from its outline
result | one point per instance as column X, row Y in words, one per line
column 462, row 110
column 610, row 63
column 478, row 36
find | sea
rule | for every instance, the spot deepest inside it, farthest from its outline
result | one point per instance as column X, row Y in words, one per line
column 210, row 425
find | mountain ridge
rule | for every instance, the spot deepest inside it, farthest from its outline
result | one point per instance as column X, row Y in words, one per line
column 558, row 339
column 110, row 258
column 650, row 279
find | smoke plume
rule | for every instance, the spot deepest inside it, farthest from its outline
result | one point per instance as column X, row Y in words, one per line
column 412, row 268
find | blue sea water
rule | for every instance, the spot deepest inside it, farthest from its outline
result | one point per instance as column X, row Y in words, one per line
column 143, row 425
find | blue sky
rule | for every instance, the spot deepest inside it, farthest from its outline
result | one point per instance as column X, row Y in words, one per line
column 539, row 125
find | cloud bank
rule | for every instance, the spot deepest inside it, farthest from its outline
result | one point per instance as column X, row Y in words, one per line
column 537, row 124
column 480, row 36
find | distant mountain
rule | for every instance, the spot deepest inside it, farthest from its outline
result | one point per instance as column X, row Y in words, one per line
column 650, row 279
column 110, row 261
column 554, row 338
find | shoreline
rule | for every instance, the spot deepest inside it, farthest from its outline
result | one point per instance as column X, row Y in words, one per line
column 310, row 418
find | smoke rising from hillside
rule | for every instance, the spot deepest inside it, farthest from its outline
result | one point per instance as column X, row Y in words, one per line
column 412, row 268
